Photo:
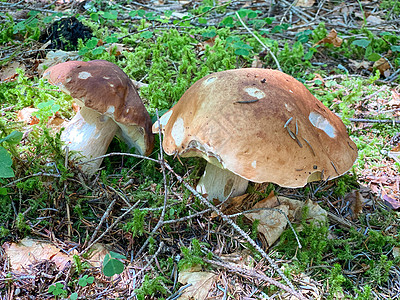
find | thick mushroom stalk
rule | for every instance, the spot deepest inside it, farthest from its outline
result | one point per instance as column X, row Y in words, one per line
column 218, row 183
column 89, row 134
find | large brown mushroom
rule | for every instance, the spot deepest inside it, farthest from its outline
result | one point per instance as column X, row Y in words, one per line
column 109, row 104
column 258, row 125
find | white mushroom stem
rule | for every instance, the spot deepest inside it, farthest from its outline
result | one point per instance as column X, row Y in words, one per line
column 89, row 133
column 219, row 183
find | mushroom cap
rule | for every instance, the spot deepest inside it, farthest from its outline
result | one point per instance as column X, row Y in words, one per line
column 102, row 86
column 260, row 124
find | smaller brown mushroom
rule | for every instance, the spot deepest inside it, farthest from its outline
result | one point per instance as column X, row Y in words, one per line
column 110, row 105
column 256, row 125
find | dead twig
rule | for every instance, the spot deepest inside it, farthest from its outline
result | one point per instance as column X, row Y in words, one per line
column 251, row 273
column 384, row 121
column 261, row 42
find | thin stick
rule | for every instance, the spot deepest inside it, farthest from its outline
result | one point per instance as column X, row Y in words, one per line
column 105, row 215
column 109, row 228
column 234, row 225
column 119, row 154
column 150, row 260
column 265, row 46
column 244, row 272
column 374, row 121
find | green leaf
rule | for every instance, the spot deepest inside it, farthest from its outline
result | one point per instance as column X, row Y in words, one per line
column 269, row 20
column 395, row 48
column 209, row 34
column 361, row 43
column 98, row 50
column 48, row 19
column 133, row 13
column 146, row 34
column 242, row 51
column 90, row 44
column 13, row 138
column 5, row 164
column 74, row 296
column 228, row 21
column 117, row 255
column 202, row 20
column 51, row 288
column 3, row 191
column 110, row 15
column 252, row 14
column 111, row 39
column 83, row 51
column 112, row 266
column 141, row 12
column 374, row 57
column 94, row 17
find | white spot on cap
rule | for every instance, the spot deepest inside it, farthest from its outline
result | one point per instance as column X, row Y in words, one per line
column 288, row 107
column 210, row 80
column 68, row 79
column 320, row 122
column 84, row 75
column 254, row 92
column 178, row 131
column 291, row 91
column 105, row 77
column 254, row 164
column 110, row 109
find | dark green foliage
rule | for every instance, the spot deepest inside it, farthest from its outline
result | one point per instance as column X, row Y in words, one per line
column 191, row 256
column 335, row 280
column 136, row 225
column 151, row 287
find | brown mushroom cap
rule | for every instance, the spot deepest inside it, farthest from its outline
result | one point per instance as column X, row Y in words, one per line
column 105, row 88
column 262, row 125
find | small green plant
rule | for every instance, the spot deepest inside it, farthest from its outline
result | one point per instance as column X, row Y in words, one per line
column 12, row 139
column 150, row 287
column 191, row 256
column 57, row 290
column 85, row 280
column 336, row 279
column 136, row 225
column 112, row 264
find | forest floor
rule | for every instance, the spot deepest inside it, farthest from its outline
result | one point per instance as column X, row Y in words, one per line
column 137, row 229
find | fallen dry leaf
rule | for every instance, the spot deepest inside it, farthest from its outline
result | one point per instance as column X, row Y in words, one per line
column 116, row 49
column 391, row 202
column 56, row 57
column 29, row 251
column 305, row 3
column 331, row 38
column 201, row 284
column 9, row 71
column 356, row 201
column 257, row 63
column 396, row 252
column 25, row 115
column 360, row 64
column 374, row 20
column 382, row 65
column 273, row 218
